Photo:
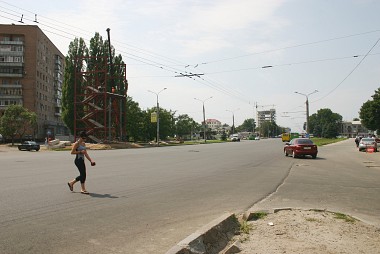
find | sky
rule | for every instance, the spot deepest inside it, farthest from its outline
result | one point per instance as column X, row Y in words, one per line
column 249, row 55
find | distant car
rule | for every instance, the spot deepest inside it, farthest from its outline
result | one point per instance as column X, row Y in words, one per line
column 29, row 145
column 367, row 143
column 235, row 137
column 301, row 147
column 257, row 138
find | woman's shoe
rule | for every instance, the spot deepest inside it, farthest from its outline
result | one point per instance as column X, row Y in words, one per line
column 70, row 186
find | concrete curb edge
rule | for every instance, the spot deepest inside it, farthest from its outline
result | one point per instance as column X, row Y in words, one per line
column 211, row 238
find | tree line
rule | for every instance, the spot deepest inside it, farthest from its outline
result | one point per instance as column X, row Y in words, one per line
column 16, row 120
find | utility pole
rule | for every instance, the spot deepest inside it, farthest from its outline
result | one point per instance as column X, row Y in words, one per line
column 307, row 109
column 233, row 119
column 158, row 116
column 112, row 85
column 204, row 116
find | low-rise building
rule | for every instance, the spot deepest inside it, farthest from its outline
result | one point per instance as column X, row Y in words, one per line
column 213, row 124
column 353, row 129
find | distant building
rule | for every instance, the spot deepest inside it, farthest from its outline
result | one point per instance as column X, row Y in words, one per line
column 213, row 124
column 353, row 129
column 266, row 116
column 31, row 75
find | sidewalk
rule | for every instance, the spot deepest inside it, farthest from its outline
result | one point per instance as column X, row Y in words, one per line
column 327, row 205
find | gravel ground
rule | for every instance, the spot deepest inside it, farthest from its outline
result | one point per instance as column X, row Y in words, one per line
column 300, row 231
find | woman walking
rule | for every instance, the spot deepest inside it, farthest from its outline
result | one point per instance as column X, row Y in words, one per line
column 80, row 151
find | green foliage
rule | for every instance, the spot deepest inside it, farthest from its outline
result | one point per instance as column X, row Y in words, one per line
column 185, row 125
column 83, row 58
column 167, row 124
column 136, row 126
column 245, row 227
column 325, row 123
column 347, row 218
column 76, row 48
column 270, row 129
column 248, row 125
column 370, row 112
column 326, row 141
column 224, row 135
column 258, row 215
column 16, row 121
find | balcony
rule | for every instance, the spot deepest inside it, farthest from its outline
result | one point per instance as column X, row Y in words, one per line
column 12, row 64
column 11, row 75
column 11, row 86
column 11, row 97
column 11, row 43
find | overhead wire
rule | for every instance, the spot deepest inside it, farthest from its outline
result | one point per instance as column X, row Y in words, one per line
column 289, row 47
column 287, row 64
column 352, row 71
column 169, row 68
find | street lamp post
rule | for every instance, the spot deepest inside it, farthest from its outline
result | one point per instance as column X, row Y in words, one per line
column 204, row 116
column 158, row 116
column 233, row 118
column 307, row 108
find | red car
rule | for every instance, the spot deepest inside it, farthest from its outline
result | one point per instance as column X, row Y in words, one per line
column 301, row 147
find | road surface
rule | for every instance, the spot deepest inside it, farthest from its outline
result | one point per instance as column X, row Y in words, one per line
column 142, row 200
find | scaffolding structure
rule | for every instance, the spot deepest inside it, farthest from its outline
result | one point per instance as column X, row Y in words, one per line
column 100, row 99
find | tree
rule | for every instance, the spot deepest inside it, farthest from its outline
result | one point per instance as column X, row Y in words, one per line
column 136, row 129
column 16, row 121
column 92, row 59
column 270, row 129
column 167, row 123
column 76, row 48
column 370, row 112
column 248, row 125
column 184, row 125
column 325, row 123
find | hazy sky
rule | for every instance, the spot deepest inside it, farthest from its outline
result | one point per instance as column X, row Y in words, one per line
column 328, row 45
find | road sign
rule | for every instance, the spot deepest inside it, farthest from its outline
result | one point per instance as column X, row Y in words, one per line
column 153, row 117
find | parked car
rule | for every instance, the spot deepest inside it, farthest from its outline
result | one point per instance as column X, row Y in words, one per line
column 257, row 138
column 29, row 145
column 235, row 137
column 367, row 143
column 301, row 147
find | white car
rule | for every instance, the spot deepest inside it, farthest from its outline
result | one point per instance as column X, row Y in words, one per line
column 366, row 143
column 257, row 138
column 235, row 137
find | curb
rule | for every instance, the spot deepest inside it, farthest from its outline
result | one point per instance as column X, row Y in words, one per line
column 211, row 238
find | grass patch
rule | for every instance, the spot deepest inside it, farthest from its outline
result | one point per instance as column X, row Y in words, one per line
column 341, row 216
column 258, row 215
column 326, row 141
column 245, row 227
column 312, row 220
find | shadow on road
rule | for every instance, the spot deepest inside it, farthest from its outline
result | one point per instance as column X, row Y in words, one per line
column 96, row 195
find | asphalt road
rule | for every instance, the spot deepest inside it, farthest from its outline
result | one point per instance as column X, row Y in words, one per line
column 147, row 200
column 340, row 180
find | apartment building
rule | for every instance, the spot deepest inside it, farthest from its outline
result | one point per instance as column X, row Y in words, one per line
column 31, row 75
column 266, row 116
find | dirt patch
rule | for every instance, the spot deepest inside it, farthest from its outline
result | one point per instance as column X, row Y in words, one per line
column 300, row 231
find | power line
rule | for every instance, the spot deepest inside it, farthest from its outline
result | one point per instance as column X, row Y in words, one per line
column 289, row 47
column 169, row 68
column 288, row 64
column 352, row 71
